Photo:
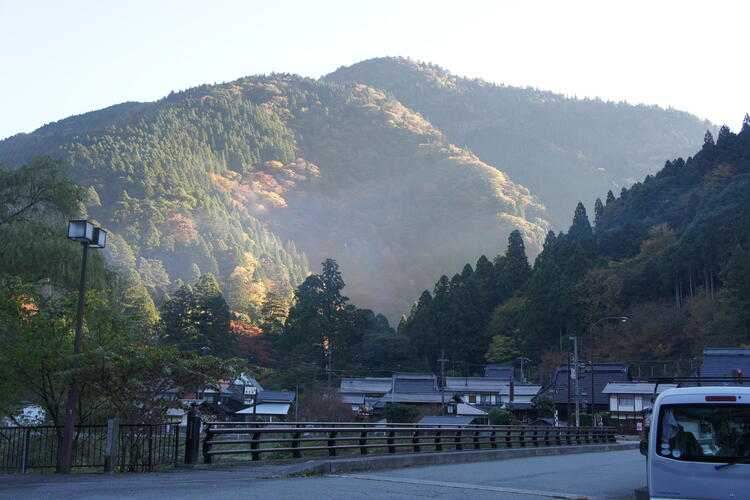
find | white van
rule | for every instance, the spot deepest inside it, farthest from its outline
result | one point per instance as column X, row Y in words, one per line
column 699, row 444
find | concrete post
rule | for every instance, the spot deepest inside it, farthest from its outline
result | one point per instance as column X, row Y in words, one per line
column 110, row 448
column 192, row 440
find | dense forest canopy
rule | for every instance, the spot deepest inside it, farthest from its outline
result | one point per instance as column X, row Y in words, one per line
column 564, row 150
column 247, row 180
column 670, row 253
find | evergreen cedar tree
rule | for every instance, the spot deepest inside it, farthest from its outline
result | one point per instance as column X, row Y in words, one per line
column 671, row 253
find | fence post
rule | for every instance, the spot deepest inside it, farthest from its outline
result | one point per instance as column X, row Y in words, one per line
column 150, row 465
column 25, row 450
column 110, row 448
column 176, row 443
column 207, row 445
column 192, row 438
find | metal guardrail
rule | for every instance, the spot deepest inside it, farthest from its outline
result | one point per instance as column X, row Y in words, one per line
column 296, row 439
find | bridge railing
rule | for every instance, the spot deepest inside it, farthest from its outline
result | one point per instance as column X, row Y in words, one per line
column 264, row 440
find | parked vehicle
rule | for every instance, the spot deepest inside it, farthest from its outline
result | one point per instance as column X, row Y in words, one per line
column 699, row 444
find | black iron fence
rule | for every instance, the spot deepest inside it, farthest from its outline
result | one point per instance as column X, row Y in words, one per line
column 124, row 447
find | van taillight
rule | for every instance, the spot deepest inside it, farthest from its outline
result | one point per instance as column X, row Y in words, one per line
column 721, row 398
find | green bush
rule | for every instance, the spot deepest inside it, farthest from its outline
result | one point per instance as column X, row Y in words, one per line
column 401, row 413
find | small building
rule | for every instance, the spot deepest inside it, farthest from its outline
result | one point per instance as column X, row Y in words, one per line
column 363, row 393
column 603, row 374
column 427, row 403
column 273, row 405
column 481, row 392
column 629, row 401
column 519, row 398
column 419, row 390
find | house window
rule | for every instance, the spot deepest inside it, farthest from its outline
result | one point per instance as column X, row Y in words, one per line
column 627, row 402
column 487, row 399
column 472, row 398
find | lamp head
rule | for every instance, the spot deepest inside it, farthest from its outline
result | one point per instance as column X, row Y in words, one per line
column 80, row 230
column 99, row 238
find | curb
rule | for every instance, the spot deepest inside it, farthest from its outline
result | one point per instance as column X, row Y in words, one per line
column 359, row 464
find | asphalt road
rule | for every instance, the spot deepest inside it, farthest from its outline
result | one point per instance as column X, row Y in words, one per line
column 609, row 475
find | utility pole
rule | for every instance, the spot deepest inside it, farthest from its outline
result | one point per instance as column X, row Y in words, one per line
column 574, row 375
column 570, row 374
column 330, row 366
column 593, row 401
column 621, row 319
column 442, row 362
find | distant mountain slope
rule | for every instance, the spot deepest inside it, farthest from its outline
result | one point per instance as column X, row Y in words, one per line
column 214, row 178
column 564, row 150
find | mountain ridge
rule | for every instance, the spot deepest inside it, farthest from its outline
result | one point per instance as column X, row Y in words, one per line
column 336, row 169
column 523, row 131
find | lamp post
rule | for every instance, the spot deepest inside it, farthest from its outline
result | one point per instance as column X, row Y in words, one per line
column 621, row 319
column 88, row 236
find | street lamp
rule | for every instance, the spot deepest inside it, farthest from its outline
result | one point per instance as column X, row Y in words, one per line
column 88, row 236
column 620, row 319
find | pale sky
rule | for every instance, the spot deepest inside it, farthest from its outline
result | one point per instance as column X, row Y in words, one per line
column 65, row 57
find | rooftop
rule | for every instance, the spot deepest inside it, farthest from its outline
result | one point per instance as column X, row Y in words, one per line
column 724, row 363
column 636, row 388
column 499, row 371
column 276, row 396
column 414, row 382
column 478, row 384
column 367, row 385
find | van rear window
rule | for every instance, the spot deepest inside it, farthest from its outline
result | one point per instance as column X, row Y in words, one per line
column 704, row 432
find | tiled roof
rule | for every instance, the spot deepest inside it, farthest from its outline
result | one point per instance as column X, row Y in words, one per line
column 414, row 383
column 276, row 396
column 499, row 371
column 368, row 385
column 604, row 373
column 724, row 362
column 475, row 384
column 464, row 409
column 635, row 388
column 523, row 390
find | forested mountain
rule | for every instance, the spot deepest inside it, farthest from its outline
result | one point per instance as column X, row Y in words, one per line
column 213, row 179
column 671, row 253
column 564, row 150
column 250, row 179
